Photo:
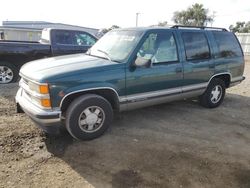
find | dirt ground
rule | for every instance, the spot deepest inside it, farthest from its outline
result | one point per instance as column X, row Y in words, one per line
column 179, row 144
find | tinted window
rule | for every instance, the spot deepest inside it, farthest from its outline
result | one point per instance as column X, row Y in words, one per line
column 159, row 47
column 227, row 44
column 63, row 37
column 196, row 45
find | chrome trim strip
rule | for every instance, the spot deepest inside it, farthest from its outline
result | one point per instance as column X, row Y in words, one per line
column 146, row 95
column 162, row 93
column 218, row 74
column 150, row 102
column 194, row 87
column 89, row 89
column 237, row 79
column 159, row 100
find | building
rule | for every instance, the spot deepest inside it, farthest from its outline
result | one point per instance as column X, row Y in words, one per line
column 31, row 30
column 20, row 34
column 244, row 39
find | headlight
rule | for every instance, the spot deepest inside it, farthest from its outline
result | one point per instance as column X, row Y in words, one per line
column 40, row 94
column 41, row 89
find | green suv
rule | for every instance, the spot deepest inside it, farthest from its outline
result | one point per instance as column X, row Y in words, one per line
column 128, row 69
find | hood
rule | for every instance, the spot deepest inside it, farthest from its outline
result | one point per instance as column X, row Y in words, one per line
column 58, row 66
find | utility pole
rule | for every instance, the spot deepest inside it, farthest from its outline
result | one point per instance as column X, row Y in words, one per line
column 137, row 15
column 213, row 16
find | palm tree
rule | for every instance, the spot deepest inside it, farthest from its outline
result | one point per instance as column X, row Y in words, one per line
column 196, row 15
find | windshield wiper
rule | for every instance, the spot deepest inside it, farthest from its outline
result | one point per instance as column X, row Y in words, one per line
column 106, row 54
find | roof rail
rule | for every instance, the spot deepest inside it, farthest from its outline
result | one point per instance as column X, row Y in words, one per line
column 199, row 27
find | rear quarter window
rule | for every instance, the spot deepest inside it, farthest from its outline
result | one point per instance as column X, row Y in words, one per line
column 228, row 45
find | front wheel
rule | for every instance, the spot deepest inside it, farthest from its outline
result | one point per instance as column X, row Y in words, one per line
column 214, row 94
column 88, row 117
column 8, row 73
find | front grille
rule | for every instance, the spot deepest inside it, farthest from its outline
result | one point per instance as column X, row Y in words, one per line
column 25, row 87
column 25, row 81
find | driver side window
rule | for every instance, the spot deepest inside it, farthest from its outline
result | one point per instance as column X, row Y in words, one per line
column 148, row 48
column 159, row 48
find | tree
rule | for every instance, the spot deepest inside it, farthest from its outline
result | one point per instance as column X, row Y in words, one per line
column 163, row 24
column 101, row 32
column 105, row 30
column 114, row 27
column 240, row 27
column 196, row 15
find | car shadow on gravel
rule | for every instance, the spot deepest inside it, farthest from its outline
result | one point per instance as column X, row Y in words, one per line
column 147, row 148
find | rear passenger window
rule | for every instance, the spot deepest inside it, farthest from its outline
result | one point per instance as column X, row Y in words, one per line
column 227, row 44
column 196, row 45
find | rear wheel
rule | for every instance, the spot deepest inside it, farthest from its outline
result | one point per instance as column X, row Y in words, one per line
column 88, row 117
column 214, row 94
column 8, row 73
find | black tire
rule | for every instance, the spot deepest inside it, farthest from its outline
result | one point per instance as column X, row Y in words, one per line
column 207, row 99
column 76, row 112
column 14, row 73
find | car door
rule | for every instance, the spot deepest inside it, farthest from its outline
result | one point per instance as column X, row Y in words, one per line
column 61, row 42
column 163, row 78
column 198, row 63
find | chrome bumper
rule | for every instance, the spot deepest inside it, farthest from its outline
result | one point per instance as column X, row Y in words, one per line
column 48, row 120
column 237, row 80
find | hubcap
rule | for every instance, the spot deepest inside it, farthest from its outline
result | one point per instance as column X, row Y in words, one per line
column 6, row 75
column 216, row 94
column 91, row 119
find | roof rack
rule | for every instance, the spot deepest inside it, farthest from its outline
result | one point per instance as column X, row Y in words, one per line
column 199, row 27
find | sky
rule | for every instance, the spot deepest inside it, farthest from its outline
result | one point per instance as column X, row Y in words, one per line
column 105, row 13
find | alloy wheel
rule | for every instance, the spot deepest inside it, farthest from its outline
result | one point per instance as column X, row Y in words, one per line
column 91, row 119
column 6, row 75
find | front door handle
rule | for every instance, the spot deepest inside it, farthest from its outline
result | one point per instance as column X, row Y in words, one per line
column 178, row 69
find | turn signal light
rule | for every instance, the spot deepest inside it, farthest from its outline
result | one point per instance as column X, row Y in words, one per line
column 44, row 89
column 46, row 103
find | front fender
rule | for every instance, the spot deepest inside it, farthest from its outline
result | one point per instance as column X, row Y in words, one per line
column 60, row 94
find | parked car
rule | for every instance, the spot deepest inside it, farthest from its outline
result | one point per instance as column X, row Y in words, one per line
column 54, row 42
column 129, row 69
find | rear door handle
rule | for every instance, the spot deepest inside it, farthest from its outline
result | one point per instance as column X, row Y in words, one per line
column 178, row 69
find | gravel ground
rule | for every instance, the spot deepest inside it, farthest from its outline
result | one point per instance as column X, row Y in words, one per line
column 179, row 144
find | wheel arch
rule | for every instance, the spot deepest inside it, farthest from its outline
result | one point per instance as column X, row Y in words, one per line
column 109, row 94
column 226, row 77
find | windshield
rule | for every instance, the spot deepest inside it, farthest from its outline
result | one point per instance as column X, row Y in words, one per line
column 116, row 45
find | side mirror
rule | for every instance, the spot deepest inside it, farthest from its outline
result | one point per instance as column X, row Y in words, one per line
column 142, row 62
